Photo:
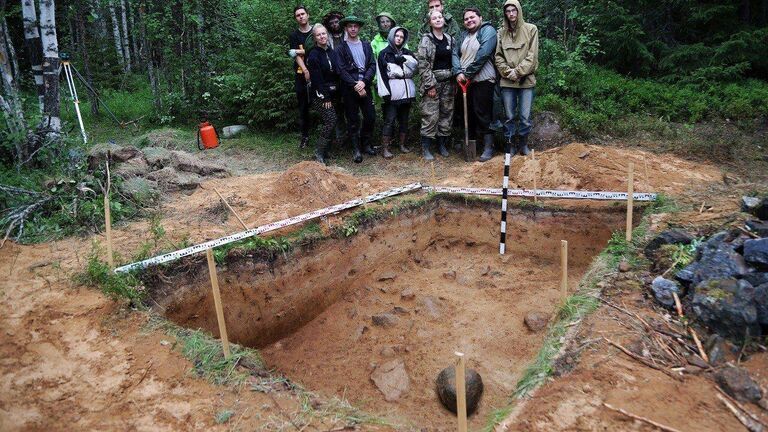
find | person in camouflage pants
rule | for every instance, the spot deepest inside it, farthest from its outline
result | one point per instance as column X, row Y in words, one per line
column 437, row 87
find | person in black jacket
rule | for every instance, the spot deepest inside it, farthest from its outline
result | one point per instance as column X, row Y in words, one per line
column 323, row 65
column 296, row 42
column 357, row 68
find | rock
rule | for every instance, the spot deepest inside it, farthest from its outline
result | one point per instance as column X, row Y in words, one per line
column 385, row 320
column 738, row 384
column 431, row 306
column 672, row 236
column 388, row 351
column 233, row 131
column 717, row 260
column 407, row 294
column 391, row 379
column 685, row 276
column 717, row 350
column 446, row 388
column 157, row 157
column 662, row 291
column 170, row 179
column 755, row 206
column 450, row 275
column 399, row 310
column 758, row 227
column 697, row 361
column 136, row 167
column 388, row 276
column 139, row 188
column 749, row 203
column 361, row 330
column 547, row 131
column 624, row 266
column 727, row 307
column 756, row 252
column 756, row 279
column 761, row 304
column 188, row 162
column 536, row 321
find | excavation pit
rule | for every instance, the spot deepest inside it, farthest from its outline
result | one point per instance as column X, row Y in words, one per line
column 412, row 288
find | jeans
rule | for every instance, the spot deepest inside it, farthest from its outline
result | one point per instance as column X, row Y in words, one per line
column 392, row 112
column 514, row 99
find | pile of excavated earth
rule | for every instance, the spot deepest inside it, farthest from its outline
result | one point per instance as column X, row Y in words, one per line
column 371, row 314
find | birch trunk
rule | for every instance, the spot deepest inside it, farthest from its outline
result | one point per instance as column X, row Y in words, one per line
column 11, row 54
column 33, row 46
column 126, row 40
column 116, row 34
column 98, row 17
column 51, row 120
column 10, row 102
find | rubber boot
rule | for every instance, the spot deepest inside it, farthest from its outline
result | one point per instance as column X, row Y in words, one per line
column 522, row 147
column 321, row 149
column 385, row 140
column 304, row 142
column 356, row 155
column 510, row 146
column 403, row 141
column 441, row 147
column 487, row 148
column 458, row 146
column 426, row 143
column 367, row 149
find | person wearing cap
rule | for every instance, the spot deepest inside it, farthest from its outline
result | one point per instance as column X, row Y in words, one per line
column 297, row 44
column 357, row 68
column 396, row 67
column 332, row 23
column 450, row 28
column 517, row 58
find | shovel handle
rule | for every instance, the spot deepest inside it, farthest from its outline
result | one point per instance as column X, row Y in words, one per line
column 464, row 85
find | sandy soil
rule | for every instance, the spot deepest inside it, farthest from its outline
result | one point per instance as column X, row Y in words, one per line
column 74, row 359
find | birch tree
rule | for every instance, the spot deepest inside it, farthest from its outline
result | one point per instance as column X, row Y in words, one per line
column 51, row 120
column 126, row 40
column 116, row 34
column 33, row 46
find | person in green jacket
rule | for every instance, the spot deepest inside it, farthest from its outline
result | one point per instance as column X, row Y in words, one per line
column 451, row 27
column 516, row 59
column 385, row 21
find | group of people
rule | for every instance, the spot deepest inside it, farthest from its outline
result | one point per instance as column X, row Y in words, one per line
column 344, row 77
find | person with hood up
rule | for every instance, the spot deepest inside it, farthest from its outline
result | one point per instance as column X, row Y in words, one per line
column 323, row 65
column 395, row 69
column 437, row 88
column 332, row 22
column 450, row 27
column 472, row 61
column 517, row 58
column 385, row 22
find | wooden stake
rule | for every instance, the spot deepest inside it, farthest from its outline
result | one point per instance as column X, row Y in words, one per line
column 647, row 183
column 535, row 174
column 748, row 423
column 630, row 196
column 217, row 303
column 461, row 392
column 230, row 209
column 699, row 346
column 108, row 218
column 564, row 267
column 678, row 306
column 434, row 179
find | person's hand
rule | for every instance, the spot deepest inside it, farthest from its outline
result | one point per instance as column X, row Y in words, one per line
column 359, row 86
column 460, row 78
column 362, row 92
column 299, row 52
column 306, row 74
column 327, row 105
column 513, row 75
column 432, row 92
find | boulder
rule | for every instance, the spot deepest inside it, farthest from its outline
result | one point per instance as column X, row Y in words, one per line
column 233, row 131
column 755, row 206
column 749, row 203
column 758, row 227
column 738, row 384
column 446, row 388
column 536, row 321
column 672, row 236
column 663, row 289
column 761, row 305
column 727, row 306
column 385, row 320
column 157, row 157
column 716, row 259
column 547, row 132
column 136, row 167
column 756, row 252
column 757, row 278
column 188, row 162
column 391, row 379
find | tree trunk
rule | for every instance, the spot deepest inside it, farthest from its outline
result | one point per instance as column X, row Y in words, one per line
column 10, row 102
column 99, row 18
column 148, row 58
column 134, row 42
column 33, row 46
column 80, row 20
column 126, row 40
column 116, row 34
column 51, row 120
column 11, row 54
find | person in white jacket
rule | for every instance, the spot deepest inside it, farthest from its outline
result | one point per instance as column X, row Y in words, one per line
column 395, row 69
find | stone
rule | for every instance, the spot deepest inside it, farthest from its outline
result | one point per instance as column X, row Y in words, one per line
column 233, row 131
column 536, row 321
column 385, row 320
column 431, row 306
column 399, row 310
column 450, row 275
column 761, row 304
column 756, row 279
column 407, row 294
column 140, row 188
column 624, row 266
column 755, row 206
column 388, row 276
column 663, row 289
column 756, row 252
column 672, row 236
column 697, row 361
column 157, row 157
column 717, row 350
column 749, row 203
column 727, row 307
column 758, row 227
column 547, row 132
column 136, row 167
column 388, row 351
column 446, row 388
column 361, row 330
column 188, row 162
column 718, row 260
column 738, row 384
column 391, row 379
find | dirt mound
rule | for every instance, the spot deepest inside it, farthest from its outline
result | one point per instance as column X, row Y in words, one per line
column 314, row 181
column 590, row 167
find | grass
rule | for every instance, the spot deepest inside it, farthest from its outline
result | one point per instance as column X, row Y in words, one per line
column 97, row 274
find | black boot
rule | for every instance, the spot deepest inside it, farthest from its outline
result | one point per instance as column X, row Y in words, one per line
column 522, row 147
column 487, row 148
column 441, row 147
column 321, row 149
column 385, row 140
column 304, row 142
column 426, row 143
column 403, row 142
column 367, row 149
column 356, row 155
column 510, row 146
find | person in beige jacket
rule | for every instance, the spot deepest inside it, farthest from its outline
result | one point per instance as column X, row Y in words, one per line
column 517, row 58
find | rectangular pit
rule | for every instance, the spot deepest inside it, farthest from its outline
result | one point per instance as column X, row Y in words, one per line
column 434, row 271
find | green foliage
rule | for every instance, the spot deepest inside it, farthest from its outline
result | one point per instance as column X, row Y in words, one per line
column 116, row 285
column 223, row 416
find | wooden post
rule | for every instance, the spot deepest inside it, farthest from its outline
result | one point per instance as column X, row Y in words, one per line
column 217, row 303
column 231, row 209
column 434, row 179
column 630, row 199
column 564, row 267
column 535, row 174
column 461, row 392
column 647, row 182
column 108, row 219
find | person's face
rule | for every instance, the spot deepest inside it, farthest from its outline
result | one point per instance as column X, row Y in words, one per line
column 321, row 36
column 511, row 13
column 385, row 23
column 334, row 25
column 353, row 30
column 471, row 21
column 436, row 20
column 399, row 38
column 435, row 5
column 302, row 17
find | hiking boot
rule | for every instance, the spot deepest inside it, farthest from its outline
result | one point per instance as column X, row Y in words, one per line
column 356, row 155
column 304, row 142
column 321, row 149
column 426, row 143
column 403, row 141
column 385, row 145
column 487, row 148
column 441, row 147
column 522, row 147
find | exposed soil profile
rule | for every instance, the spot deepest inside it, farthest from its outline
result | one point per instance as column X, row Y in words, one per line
column 434, row 281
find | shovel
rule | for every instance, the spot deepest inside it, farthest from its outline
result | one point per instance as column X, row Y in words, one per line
column 470, row 153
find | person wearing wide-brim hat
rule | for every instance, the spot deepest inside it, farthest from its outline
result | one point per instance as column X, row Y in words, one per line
column 357, row 68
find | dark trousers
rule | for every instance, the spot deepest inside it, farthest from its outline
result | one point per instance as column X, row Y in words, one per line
column 392, row 112
column 302, row 95
column 480, row 108
column 327, row 117
column 354, row 105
